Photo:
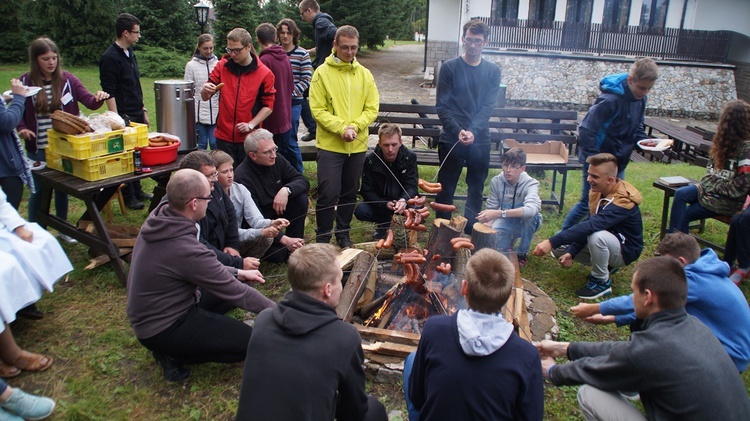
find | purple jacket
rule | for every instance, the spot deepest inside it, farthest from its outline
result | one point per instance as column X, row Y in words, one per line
column 73, row 86
column 280, row 120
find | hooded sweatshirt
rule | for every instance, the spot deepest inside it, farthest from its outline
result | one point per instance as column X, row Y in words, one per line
column 712, row 298
column 471, row 366
column 524, row 194
column 168, row 266
column 618, row 213
column 299, row 359
column 324, row 32
column 197, row 70
column 275, row 58
column 343, row 94
column 614, row 124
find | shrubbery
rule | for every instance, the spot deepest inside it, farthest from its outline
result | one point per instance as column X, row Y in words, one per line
column 158, row 62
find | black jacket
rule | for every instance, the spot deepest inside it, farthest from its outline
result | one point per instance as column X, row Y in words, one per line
column 303, row 363
column 324, row 32
column 121, row 79
column 264, row 182
column 219, row 228
column 379, row 185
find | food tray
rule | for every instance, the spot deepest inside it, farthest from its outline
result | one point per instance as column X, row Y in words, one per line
column 159, row 155
column 91, row 145
column 93, row 169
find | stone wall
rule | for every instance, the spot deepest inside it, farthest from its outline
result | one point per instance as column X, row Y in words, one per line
column 688, row 90
column 440, row 50
column 742, row 78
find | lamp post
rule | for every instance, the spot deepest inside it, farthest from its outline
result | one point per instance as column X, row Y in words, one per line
column 201, row 14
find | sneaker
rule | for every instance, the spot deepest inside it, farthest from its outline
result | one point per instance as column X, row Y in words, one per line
column 522, row 260
column 7, row 416
column 66, row 239
column 738, row 275
column 308, row 137
column 28, row 406
column 559, row 251
column 134, row 204
column 143, row 196
column 344, row 242
column 173, row 371
column 30, row 312
column 594, row 289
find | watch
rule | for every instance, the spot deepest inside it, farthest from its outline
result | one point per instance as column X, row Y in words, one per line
column 503, row 214
column 288, row 190
column 250, row 126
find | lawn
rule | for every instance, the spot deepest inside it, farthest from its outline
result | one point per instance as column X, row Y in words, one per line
column 102, row 372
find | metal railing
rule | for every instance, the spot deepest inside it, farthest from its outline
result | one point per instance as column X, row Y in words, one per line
column 596, row 38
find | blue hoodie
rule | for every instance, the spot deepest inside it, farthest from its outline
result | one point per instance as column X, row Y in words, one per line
column 712, row 298
column 614, row 124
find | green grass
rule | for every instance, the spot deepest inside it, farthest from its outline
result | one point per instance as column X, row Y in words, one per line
column 101, row 372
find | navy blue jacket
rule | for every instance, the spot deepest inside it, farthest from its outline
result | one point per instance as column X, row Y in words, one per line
column 618, row 213
column 614, row 124
column 378, row 184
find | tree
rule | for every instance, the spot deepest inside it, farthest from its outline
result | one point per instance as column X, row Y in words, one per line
column 12, row 42
column 166, row 24
column 232, row 14
column 370, row 17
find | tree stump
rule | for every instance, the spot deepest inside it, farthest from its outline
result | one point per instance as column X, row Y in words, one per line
column 483, row 236
column 364, row 267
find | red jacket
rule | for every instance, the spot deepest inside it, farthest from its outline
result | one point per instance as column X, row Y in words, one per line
column 246, row 90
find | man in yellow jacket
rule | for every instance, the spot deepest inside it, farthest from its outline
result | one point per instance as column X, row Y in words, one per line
column 344, row 101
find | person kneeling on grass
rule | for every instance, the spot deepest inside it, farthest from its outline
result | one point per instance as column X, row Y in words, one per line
column 712, row 298
column 513, row 206
column 610, row 238
column 176, row 286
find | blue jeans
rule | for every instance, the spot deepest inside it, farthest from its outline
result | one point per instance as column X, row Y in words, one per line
column 738, row 240
column 413, row 412
column 296, row 112
column 35, row 199
column 511, row 229
column 686, row 208
column 289, row 149
column 580, row 210
column 206, row 136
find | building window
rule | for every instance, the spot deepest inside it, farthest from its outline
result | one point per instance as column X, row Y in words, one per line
column 542, row 10
column 616, row 12
column 504, row 9
column 654, row 13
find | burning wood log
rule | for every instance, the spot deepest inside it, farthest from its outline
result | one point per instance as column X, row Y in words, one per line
column 376, row 304
column 385, row 253
column 483, row 236
column 363, row 268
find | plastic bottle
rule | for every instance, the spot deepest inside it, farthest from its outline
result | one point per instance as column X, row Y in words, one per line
column 137, row 160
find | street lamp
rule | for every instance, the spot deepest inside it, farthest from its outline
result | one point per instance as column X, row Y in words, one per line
column 201, row 14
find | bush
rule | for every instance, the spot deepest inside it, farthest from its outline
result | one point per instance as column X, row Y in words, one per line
column 157, row 62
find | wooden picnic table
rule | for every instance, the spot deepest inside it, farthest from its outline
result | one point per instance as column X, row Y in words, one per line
column 95, row 194
column 688, row 146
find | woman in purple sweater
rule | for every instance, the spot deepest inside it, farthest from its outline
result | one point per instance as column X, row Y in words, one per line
column 60, row 91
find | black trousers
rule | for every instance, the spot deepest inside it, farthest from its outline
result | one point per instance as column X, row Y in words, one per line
column 203, row 334
column 235, row 150
column 738, row 240
column 296, row 211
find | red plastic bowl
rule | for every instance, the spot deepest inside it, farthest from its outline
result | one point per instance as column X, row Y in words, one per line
column 159, row 155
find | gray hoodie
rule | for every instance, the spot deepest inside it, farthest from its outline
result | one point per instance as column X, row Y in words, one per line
column 524, row 194
column 482, row 334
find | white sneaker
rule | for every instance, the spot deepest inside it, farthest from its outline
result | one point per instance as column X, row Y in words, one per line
column 66, row 239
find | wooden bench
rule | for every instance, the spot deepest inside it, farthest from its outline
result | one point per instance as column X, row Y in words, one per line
column 688, row 146
column 422, row 125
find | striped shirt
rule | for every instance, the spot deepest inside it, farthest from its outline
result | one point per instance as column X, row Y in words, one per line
column 43, row 121
column 301, row 70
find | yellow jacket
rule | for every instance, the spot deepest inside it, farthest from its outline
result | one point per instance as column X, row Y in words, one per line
column 343, row 94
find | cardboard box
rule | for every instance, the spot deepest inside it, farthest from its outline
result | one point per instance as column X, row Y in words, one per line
column 549, row 152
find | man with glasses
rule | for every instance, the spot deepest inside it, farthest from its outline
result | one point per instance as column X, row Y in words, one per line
column 466, row 95
column 218, row 228
column 121, row 79
column 174, row 281
column 279, row 190
column 344, row 101
column 610, row 238
column 513, row 206
column 247, row 96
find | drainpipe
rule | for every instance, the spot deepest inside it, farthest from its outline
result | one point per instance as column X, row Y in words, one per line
column 426, row 35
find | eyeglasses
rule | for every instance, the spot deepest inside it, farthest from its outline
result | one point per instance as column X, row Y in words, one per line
column 474, row 41
column 511, row 167
column 135, row 32
column 269, row 152
column 234, row 51
column 213, row 177
column 207, row 199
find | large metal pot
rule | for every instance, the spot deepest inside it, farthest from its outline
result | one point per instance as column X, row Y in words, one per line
column 175, row 111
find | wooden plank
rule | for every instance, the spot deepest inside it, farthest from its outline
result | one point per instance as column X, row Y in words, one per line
column 346, row 258
column 103, row 259
column 363, row 268
column 388, row 348
column 124, row 242
column 376, row 334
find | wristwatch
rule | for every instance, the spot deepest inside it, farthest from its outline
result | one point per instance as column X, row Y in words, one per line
column 503, row 214
column 288, row 190
column 250, row 126
column 236, row 272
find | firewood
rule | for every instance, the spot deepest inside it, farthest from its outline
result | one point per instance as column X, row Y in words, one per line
column 369, row 292
column 394, row 336
column 103, row 259
column 123, row 242
column 364, row 263
column 384, row 253
column 387, row 348
column 483, row 236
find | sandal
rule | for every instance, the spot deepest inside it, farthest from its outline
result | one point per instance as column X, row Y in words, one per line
column 29, row 361
column 8, row 371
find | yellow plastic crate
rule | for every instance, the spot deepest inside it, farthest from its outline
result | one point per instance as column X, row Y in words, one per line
column 93, row 169
column 91, row 145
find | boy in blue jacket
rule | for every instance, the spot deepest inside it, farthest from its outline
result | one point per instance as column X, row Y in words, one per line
column 614, row 124
column 610, row 238
column 712, row 298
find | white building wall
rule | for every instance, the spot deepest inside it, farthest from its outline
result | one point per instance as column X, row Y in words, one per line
column 444, row 20
column 635, row 13
column 523, row 9
column 560, row 7
column 674, row 13
column 597, row 12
